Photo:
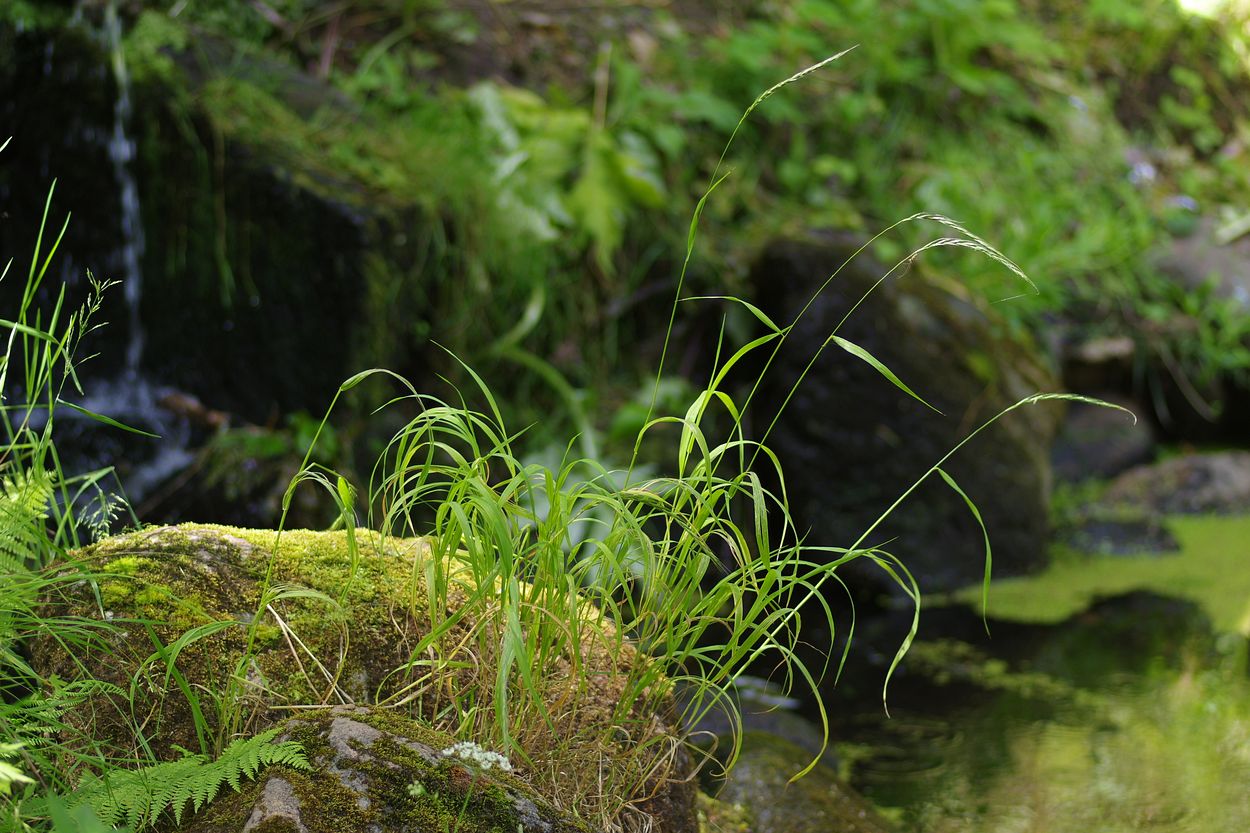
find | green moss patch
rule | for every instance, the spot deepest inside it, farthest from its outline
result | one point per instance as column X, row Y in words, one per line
column 1210, row 570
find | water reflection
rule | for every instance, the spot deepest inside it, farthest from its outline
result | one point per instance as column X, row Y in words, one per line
column 1130, row 717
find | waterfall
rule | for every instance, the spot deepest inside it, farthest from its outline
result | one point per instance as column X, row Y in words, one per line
column 142, row 463
column 121, row 149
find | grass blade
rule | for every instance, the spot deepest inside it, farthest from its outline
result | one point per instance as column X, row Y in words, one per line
column 862, row 354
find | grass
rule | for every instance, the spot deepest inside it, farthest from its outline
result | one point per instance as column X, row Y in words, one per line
column 703, row 570
column 37, row 526
column 1209, row 570
column 538, row 572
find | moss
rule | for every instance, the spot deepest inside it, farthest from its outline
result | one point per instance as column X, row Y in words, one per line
column 366, row 611
column 28, row 14
column 214, row 574
column 149, row 43
column 816, row 803
column 1209, row 570
column 722, row 816
column 277, row 825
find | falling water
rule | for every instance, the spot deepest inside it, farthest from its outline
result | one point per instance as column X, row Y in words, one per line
column 143, row 464
column 121, row 150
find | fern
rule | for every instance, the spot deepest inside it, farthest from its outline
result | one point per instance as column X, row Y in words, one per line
column 33, row 720
column 10, row 774
column 24, row 497
column 138, row 797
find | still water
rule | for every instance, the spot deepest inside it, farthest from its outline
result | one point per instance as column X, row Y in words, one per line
column 1131, row 716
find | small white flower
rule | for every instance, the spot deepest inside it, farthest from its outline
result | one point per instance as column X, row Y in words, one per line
column 470, row 751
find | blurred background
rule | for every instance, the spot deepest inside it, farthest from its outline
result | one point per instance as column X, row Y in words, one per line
column 291, row 191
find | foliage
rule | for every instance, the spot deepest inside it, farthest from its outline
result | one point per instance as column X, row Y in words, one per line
column 9, row 773
column 1023, row 117
column 701, row 566
column 38, row 525
column 139, row 797
column 702, row 569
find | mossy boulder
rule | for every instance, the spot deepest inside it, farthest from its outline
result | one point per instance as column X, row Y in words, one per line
column 257, row 626
column 374, row 770
column 851, row 442
column 816, row 803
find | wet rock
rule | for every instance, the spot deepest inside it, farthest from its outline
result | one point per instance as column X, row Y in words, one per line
column 1096, row 442
column 1189, row 485
column 851, row 442
column 816, row 803
column 239, row 245
column 375, row 771
column 762, row 707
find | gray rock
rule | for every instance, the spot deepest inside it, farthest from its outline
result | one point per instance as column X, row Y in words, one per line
column 762, row 707
column 1120, row 536
column 1096, row 442
column 277, row 804
column 1205, row 254
column 1190, row 485
column 816, row 803
column 375, row 772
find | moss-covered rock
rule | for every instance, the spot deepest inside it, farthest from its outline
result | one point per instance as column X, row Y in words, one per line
column 373, row 770
column 851, row 442
column 722, row 817
column 816, row 803
column 222, row 632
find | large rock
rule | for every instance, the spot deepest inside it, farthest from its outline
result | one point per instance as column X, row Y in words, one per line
column 851, row 442
column 1218, row 409
column 374, row 771
column 816, row 803
column 340, row 628
column 1205, row 255
column 239, row 244
column 1096, row 442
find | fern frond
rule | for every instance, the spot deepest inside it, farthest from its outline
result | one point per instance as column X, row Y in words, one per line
column 10, row 774
column 24, row 497
column 139, row 797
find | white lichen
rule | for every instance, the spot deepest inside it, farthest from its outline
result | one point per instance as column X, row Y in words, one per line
column 469, row 751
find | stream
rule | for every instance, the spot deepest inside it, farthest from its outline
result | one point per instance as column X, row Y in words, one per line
column 1133, row 715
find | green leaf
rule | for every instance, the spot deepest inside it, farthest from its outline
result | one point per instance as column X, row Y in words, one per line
column 639, row 169
column 976, row 513
column 751, row 308
column 860, row 353
column 598, row 201
column 107, row 420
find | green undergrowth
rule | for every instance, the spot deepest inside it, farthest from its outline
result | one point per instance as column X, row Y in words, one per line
column 1209, row 570
column 1033, row 119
